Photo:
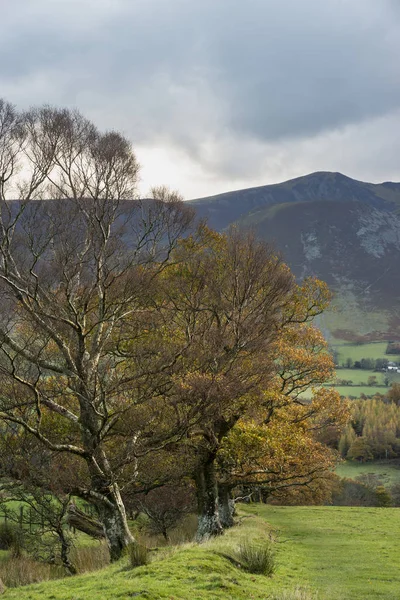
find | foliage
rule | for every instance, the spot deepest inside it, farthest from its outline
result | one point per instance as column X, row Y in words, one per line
column 9, row 535
column 348, row 492
column 165, row 507
column 383, row 497
column 132, row 343
column 76, row 283
column 374, row 431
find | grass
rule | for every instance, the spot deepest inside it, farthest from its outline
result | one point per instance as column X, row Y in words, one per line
column 256, row 558
column 192, row 571
column 356, row 390
column 345, row 553
column 387, row 470
column 358, row 376
column 358, row 351
column 324, row 553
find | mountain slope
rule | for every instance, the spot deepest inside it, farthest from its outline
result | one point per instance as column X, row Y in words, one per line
column 343, row 231
column 223, row 209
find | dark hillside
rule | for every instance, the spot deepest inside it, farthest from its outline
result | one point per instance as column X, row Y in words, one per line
column 344, row 231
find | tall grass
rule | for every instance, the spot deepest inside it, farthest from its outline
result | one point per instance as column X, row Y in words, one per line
column 90, row 558
column 16, row 572
column 256, row 558
column 138, row 554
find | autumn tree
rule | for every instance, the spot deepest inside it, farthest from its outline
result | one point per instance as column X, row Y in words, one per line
column 77, row 276
column 374, row 431
column 250, row 351
column 276, row 446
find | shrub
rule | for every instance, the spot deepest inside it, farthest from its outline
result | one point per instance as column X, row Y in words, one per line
column 256, row 558
column 138, row 554
column 9, row 535
column 383, row 497
column 353, row 493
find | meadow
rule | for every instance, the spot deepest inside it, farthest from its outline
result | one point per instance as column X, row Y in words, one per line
column 347, row 350
column 359, row 377
column 321, row 553
column 387, row 470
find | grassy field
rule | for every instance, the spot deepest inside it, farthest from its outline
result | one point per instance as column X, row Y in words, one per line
column 359, row 376
column 387, row 470
column 356, row 390
column 331, row 553
column 345, row 553
column 198, row 572
column 358, row 351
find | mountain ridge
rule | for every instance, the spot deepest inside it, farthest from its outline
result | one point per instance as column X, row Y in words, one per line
column 328, row 225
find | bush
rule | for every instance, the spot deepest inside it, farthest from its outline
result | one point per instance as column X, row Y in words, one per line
column 138, row 554
column 10, row 536
column 383, row 497
column 256, row 558
column 353, row 493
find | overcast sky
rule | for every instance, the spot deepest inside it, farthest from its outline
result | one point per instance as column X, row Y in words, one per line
column 218, row 95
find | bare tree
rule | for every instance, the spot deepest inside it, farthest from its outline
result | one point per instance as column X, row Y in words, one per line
column 79, row 261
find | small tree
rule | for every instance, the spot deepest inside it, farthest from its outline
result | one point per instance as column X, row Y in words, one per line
column 165, row 507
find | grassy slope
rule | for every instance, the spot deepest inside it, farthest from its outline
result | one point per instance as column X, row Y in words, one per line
column 195, row 572
column 344, row 553
column 387, row 470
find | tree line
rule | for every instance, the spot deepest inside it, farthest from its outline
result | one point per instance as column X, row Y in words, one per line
column 139, row 348
column 373, row 432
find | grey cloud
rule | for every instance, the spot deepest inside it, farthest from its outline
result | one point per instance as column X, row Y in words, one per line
column 214, row 77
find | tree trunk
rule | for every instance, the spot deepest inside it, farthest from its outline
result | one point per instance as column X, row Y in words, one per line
column 113, row 518
column 65, row 550
column 207, row 500
column 108, row 501
column 225, row 506
column 79, row 520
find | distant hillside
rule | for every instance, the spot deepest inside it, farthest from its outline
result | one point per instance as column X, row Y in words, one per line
column 344, row 231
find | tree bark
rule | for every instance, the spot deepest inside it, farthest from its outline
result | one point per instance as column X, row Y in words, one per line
column 225, row 506
column 207, row 500
column 113, row 518
column 79, row 520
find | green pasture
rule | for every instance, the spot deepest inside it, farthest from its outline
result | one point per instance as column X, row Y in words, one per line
column 355, row 391
column 359, row 376
column 322, row 553
column 387, row 470
column 347, row 315
column 374, row 350
column 345, row 553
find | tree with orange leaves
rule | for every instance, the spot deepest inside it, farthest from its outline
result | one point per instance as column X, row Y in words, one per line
column 252, row 351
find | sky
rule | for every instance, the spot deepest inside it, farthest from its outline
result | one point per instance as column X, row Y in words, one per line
column 217, row 95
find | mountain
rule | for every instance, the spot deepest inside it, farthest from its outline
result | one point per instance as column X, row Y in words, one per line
column 343, row 231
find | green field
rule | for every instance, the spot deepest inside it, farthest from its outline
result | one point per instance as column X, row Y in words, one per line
column 358, row 351
column 359, row 376
column 356, row 390
column 387, row 470
column 345, row 553
column 331, row 553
